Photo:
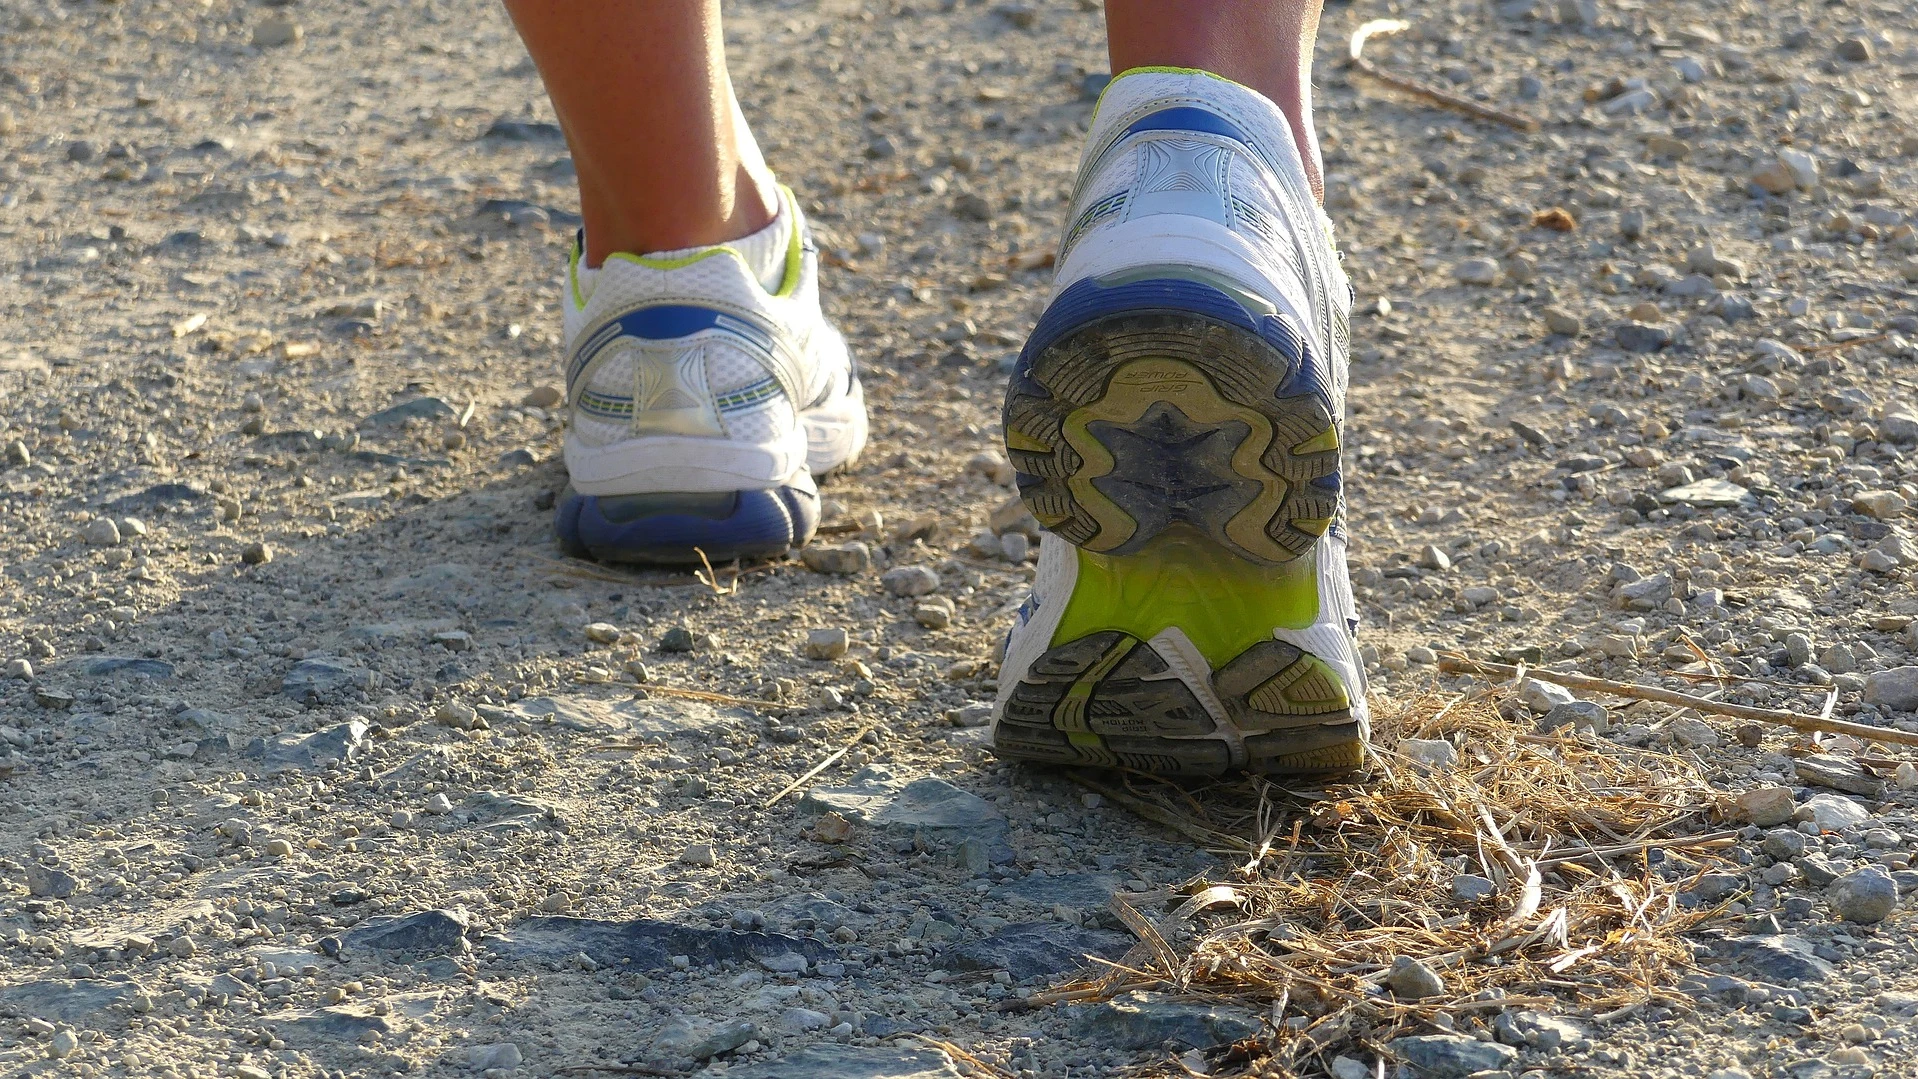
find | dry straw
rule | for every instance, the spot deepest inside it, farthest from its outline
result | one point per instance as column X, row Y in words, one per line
column 1327, row 888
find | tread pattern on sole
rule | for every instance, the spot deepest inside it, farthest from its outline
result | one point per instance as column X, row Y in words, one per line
column 1136, row 421
column 1109, row 700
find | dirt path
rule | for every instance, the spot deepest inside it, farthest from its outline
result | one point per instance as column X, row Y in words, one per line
column 316, row 758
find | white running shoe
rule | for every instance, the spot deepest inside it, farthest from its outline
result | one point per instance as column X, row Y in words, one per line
column 703, row 401
column 1175, row 420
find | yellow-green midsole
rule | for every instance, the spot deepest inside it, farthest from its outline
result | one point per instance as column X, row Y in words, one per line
column 1222, row 603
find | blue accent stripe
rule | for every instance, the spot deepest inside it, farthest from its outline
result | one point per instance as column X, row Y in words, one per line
column 666, row 322
column 1087, row 301
column 1187, row 118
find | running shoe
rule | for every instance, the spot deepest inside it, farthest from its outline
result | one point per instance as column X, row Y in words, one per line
column 1175, row 423
column 704, row 396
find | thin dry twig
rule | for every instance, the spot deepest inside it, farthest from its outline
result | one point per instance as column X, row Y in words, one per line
column 1835, row 346
column 1457, row 664
column 984, row 1068
column 710, row 579
column 830, row 760
column 1382, row 27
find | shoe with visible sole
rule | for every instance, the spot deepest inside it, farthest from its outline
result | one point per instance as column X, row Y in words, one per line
column 1175, row 424
column 702, row 404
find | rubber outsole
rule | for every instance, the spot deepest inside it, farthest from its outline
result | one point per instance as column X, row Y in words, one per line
column 1144, row 418
column 677, row 529
column 1109, row 699
column 1188, row 449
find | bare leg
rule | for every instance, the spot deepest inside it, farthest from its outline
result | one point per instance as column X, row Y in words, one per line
column 1264, row 44
column 642, row 92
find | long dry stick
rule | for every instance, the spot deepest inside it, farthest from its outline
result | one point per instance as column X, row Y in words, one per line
column 1457, row 664
column 1381, row 27
column 820, row 767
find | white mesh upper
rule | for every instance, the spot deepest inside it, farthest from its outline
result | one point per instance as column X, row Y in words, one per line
column 764, row 355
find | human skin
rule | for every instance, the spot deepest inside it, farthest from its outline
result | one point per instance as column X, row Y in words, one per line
column 665, row 158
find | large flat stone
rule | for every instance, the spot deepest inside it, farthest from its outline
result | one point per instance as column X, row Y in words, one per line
column 1029, row 950
column 63, row 1001
column 928, row 809
column 341, row 742
column 1151, row 1020
column 428, row 932
column 1781, row 960
column 645, row 944
column 594, row 716
column 850, row 1062
column 1078, row 891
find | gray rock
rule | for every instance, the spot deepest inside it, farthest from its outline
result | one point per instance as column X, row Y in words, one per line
column 427, row 932
column 928, row 809
column 910, row 581
column 1579, row 715
column 1644, row 594
column 131, row 666
column 59, row 1000
column 525, row 131
column 502, row 1055
column 1866, row 895
column 1896, row 689
column 1152, row 1020
column 829, row 643
column 646, row 945
column 1782, row 960
column 418, row 408
column 852, row 1062
column 331, row 1026
column 1542, row 697
column 1839, row 774
column 842, row 561
column 1076, row 891
column 1832, row 812
column 1449, row 1056
column 323, row 680
column 1028, row 950
column 1798, row 649
column 1818, row 870
column 1431, row 752
column 1470, row 888
column 699, row 1039
column 341, row 742
column 49, row 883
column 1784, row 844
column 1410, row 979
column 1706, row 494
column 1639, row 337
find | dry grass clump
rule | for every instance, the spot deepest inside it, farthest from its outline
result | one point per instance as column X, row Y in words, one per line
column 1329, row 887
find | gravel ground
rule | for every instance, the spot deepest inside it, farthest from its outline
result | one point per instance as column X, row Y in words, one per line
column 316, row 758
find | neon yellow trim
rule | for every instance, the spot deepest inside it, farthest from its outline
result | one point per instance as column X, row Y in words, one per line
column 1158, row 71
column 675, row 263
column 789, row 281
column 1223, row 603
column 795, row 247
column 572, row 270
